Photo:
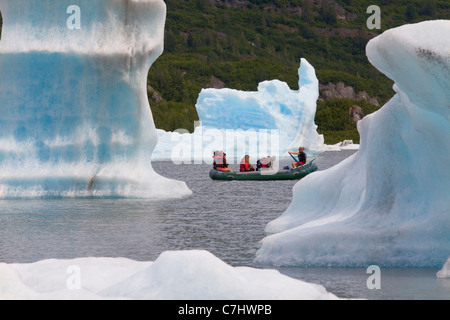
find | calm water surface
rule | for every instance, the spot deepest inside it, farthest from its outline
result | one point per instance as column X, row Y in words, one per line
column 225, row 218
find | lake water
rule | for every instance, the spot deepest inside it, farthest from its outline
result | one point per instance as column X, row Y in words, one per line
column 225, row 218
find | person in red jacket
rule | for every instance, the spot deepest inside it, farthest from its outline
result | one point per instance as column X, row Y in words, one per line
column 220, row 162
column 245, row 164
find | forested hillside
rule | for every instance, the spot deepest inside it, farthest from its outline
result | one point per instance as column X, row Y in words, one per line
column 238, row 43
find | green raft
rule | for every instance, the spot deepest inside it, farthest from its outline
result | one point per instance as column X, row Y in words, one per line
column 291, row 174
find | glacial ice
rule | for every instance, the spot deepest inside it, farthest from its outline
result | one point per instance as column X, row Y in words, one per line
column 74, row 115
column 174, row 275
column 445, row 271
column 270, row 121
column 387, row 204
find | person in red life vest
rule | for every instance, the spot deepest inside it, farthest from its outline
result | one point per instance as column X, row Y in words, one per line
column 220, row 161
column 245, row 164
column 265, row 162
column 301, row 158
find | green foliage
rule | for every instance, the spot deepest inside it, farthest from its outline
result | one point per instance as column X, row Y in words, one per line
column 328, row 12
column 170, row 116
column 335, row 122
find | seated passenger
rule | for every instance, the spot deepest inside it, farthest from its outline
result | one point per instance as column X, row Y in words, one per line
column 245, row 164
column 220, row 162
column 265, row 162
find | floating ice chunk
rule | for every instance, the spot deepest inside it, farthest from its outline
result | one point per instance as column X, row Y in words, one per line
column 341, row 146
column 270, row 121
column 175, row 275
column 445, row 271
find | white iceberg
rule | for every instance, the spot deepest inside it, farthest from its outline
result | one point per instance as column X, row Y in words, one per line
column 387, row 204
column 445, row 271
column 74, row 115
column 175, row 275
column 270, row 121
column 341, row 146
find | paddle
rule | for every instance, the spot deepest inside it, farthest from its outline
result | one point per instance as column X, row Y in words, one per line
column 296, row 160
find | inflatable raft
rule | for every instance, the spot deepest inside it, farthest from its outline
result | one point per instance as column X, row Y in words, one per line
column 264, row 175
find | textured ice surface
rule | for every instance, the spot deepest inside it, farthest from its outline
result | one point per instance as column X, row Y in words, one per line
column 175, row 275
column 388, row 203
column 445, row 271
column 270, row 121
column 74, row 115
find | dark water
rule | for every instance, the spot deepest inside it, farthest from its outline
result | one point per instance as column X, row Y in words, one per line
column 225, row 218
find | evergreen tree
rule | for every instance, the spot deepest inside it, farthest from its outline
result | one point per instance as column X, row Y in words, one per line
column 429, row 8
column 328, row 12
column 411, row 13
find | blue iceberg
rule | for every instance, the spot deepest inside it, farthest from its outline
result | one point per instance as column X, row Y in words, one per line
column 270, row 121
column 387, row 204
column 74, row 115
